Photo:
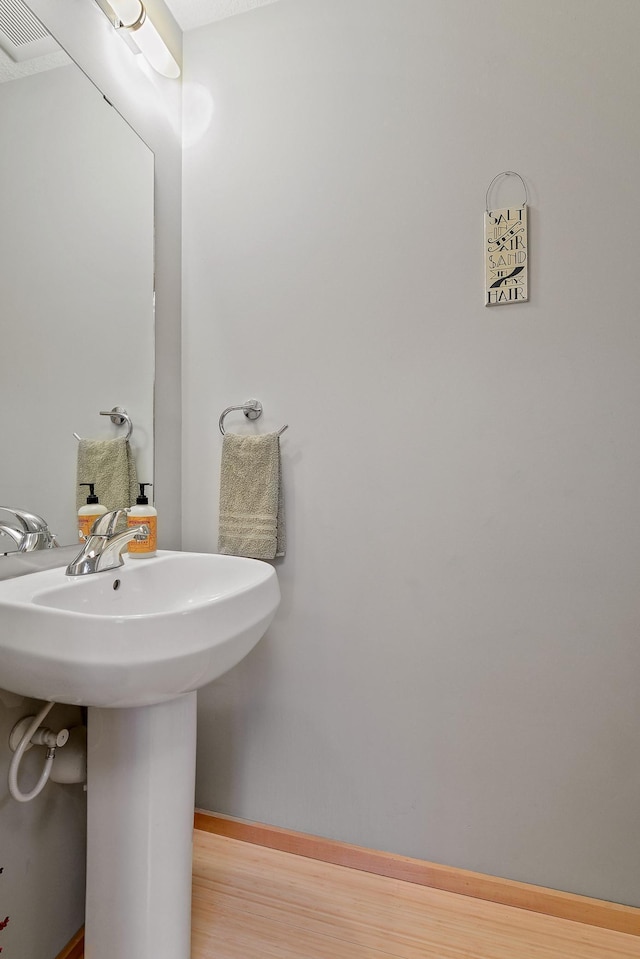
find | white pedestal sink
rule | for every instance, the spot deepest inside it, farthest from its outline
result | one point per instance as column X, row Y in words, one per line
column 133, row 644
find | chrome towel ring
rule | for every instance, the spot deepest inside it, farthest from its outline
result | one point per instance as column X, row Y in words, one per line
column 118, row 416
column 252, row 409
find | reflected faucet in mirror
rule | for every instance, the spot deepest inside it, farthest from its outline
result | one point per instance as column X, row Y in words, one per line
column 31, row 532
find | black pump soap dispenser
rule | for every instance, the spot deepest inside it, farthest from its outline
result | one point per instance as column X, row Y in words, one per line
column 143, row 513
column 87, row 515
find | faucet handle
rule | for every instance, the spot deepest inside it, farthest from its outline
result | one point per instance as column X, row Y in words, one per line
column 105, row 525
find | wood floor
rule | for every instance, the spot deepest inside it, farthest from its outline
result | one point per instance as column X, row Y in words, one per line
column 250, row 902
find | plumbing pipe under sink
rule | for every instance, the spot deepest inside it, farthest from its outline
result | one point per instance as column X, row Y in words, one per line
column 72, row 763
column 21, row 749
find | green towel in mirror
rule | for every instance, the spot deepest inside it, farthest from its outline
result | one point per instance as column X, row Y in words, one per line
column 111, row 466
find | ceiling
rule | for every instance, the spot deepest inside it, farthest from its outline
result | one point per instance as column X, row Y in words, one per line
column 26, row 47
column 196, row 13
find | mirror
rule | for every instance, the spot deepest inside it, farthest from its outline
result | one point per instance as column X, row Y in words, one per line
column 76, row 274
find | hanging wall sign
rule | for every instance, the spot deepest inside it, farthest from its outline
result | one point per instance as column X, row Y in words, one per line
column 506, row 251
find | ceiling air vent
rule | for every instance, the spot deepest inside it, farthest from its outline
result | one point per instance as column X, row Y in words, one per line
column 22, row 36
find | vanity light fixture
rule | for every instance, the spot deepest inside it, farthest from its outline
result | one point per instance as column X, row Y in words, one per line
column 131, row 17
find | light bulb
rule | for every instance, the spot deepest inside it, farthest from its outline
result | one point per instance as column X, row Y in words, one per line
column 153, row 47
column 134, row 19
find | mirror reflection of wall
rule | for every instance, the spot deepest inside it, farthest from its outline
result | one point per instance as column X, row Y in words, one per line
column 76, row 284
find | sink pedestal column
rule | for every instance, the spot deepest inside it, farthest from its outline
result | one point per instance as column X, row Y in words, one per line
column 140, row 801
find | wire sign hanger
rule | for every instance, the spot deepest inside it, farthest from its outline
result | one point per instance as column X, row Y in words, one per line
column 506, row 250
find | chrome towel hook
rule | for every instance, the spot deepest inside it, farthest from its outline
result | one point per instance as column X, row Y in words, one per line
column 252, row 409
column 119, row 416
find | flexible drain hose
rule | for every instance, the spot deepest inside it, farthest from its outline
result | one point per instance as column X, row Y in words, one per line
column 14, row 789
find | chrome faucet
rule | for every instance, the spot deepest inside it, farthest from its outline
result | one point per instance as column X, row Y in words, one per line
column 103, row 547
column 31, row 533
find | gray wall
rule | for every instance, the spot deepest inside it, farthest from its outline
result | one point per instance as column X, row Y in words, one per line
column 453, row 672
column 42, row 843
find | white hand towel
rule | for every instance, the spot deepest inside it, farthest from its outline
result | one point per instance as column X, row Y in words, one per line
column 251, row 503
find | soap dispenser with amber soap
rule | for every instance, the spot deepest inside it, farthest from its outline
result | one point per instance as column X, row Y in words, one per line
column 143, row 513
column 87, row 515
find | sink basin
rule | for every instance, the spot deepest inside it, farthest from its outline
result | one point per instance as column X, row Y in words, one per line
column 141, row 634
